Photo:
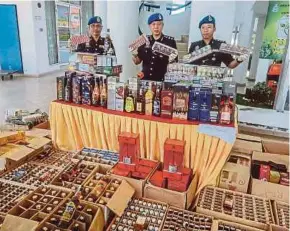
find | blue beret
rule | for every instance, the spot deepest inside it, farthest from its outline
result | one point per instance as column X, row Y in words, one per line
column 207, row 19
column 95, row 19
column 155, row 17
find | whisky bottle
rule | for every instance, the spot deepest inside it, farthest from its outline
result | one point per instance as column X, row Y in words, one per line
column 96, row 93
column 157, row 103
column 225, row 112
column 148, row 100
column 129, row 103
column 68, row 213
column 140, row 102
column 103, row 102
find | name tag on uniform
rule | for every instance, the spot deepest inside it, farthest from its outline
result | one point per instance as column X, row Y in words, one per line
column 163, row 49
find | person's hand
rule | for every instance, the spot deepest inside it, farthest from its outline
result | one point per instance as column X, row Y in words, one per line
column 135, row 59
column 172, row 57
column 140, row 75
column 242, row 58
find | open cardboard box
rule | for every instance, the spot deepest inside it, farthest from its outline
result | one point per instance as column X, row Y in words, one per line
column 37, row 132
column 223, row 216
column 277, row 228
column 267, row 189
column 14, row 223
column 216, row 223
column 118, row 202
column 12, row 155
column 36, row 142
column 137, row 184
column 276, row 146
column 11, row 137
column 181, row 200
column 236, row 176
column 275, row 211
column 247, row 144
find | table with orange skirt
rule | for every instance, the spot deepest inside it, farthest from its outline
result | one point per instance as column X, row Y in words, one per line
column 207, row 146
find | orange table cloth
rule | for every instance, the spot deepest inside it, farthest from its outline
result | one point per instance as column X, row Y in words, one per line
column 76, row 126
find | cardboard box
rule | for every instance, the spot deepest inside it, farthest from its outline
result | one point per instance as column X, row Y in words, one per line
column 137, row 184
column 279, row 210
column 12, row 155
column 277, row 228
column 228, row 217
column 216, row 223
column 181, row 200
column 247, row 144
column 276, row 146
column 236, row 176
column 267, row 189
column 118, row 202
column 18, row 224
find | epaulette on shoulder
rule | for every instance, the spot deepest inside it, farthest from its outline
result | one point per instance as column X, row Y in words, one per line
column 168, row 37
column 221, row 41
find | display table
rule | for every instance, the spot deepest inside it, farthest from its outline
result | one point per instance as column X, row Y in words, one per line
column 76, row 126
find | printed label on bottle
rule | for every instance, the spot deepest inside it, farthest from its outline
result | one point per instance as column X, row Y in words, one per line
column 172, row 168
column 156, row 108
column 129, row 107
column 167, row 101
column 139, row 107
column 225, row 116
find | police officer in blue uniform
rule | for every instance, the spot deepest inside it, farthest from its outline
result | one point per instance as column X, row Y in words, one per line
column 207, row 29
column 96, row 43
column 155, row 64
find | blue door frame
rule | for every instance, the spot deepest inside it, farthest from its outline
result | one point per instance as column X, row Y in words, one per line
column 10, row 49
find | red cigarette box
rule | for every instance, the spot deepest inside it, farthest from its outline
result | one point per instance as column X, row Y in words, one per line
column 264, row 172
column 157, row 179
column 179, row 185
column 129, row 150
column 173, row 155
column 166, row 104
column 121, row 172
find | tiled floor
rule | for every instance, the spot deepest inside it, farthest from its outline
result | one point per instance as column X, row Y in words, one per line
column 33, row 93
column 27, row 93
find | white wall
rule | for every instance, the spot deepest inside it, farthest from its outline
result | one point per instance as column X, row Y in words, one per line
column 244, row 17
column 174, row 25
column 224, row 13
column 122, row 19
column 33, row 41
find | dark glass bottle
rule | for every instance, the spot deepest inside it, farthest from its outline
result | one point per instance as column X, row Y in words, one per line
column 157, row 103
column 140, row 102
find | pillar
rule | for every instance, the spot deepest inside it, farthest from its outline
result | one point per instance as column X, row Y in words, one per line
column 100, row 9
column 122, row 20
column 283, row 86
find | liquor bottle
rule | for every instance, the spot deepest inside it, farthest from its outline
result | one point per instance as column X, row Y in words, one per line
column 157, row 103
column 76, row 227
column 140, row 102
column 96, row 93
column 53, row 221
column 103, row 98
column 148, row 100
column 130, row 102
column 225, row 111
column 45, row 229
column 69, row 212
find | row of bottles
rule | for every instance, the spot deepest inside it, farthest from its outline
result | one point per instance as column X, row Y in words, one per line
column 147, row 101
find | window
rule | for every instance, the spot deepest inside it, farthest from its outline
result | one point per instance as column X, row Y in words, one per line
column 64, row 19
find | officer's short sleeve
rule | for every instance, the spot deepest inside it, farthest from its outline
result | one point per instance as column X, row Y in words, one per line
column 81, row 47
column 141, row 52
column 191, row 48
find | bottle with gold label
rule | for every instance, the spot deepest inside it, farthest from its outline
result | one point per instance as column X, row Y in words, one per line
column 96, row 93
column 130, row 103
column 140, row 102
column 103, row 98
column 149, row 100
